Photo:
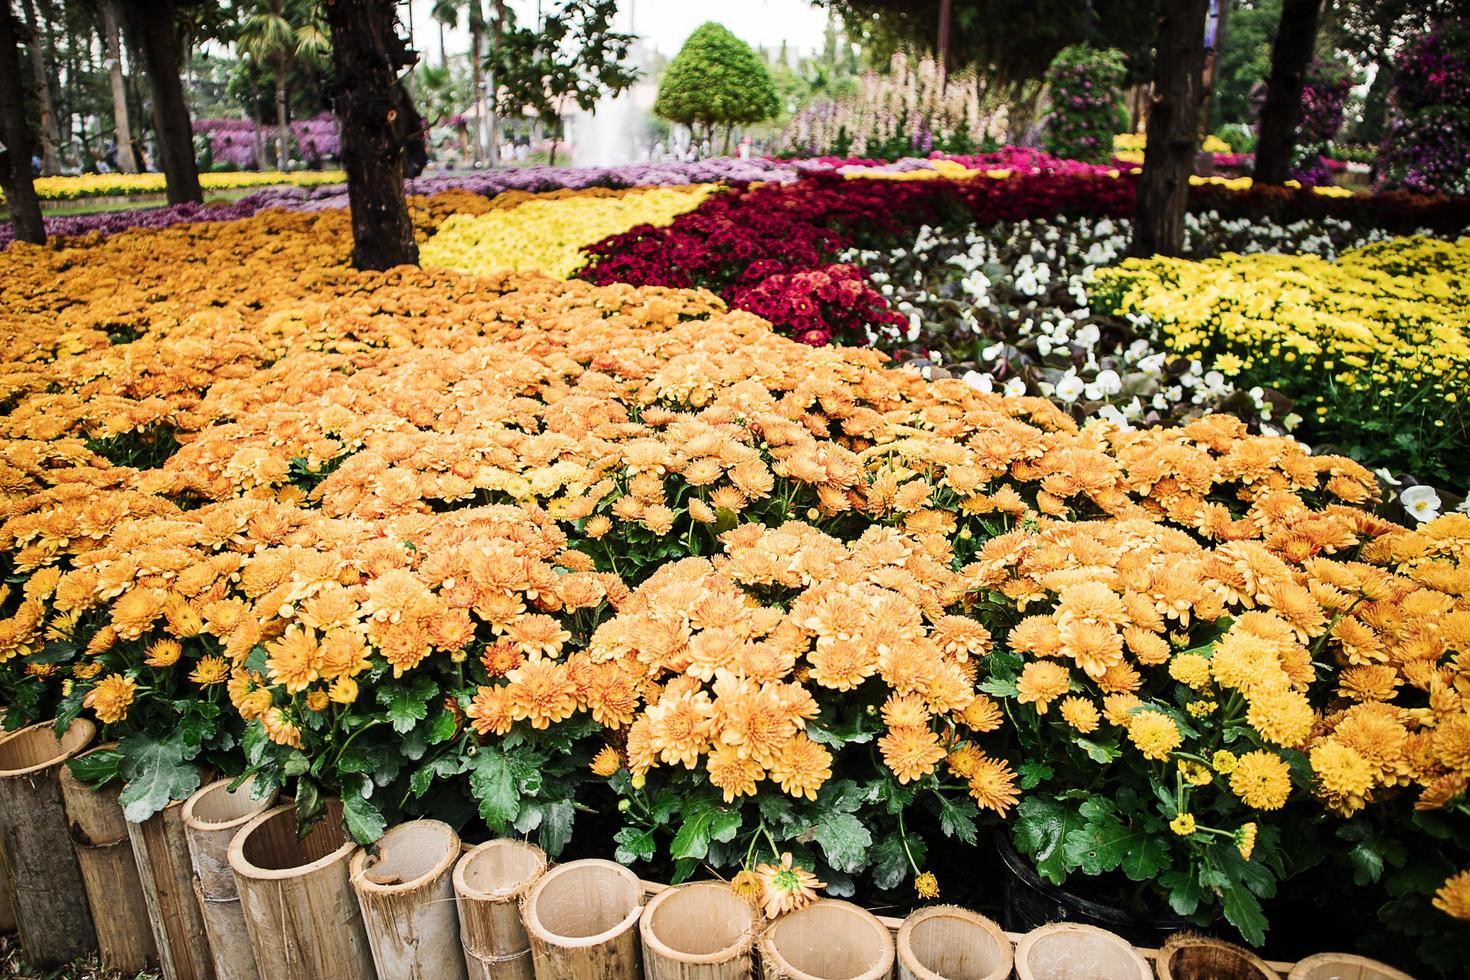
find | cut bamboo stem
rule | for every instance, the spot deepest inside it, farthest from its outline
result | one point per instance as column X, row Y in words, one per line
column 489, row 883
column 300, row 911
column 945, row 942
column 1344, row 966
column 162, row 850
column 827, row 940
column 51, row 908
column 699, row 931
column 406, row 892
column 1191, row 957
column 1071, row 951
column 99, row 835
column 212, row 817
column 581, row 918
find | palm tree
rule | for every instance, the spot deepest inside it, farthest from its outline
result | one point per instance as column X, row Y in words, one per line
column 282, row 34
column 446, row 13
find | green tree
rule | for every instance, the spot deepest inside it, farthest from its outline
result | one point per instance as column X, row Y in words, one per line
column 716, row 80
column 574, row 59
column 282, row 35
column 1245, row 60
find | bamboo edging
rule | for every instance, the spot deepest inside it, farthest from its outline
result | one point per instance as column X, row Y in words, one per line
column 1185, row 956
column 1072, row 951
column 699, row 931
column 300, row 912
column 580, row 918
column 212, row 816
column 407, row 899
column 489, row 882
column 99, row 835
column 167, row 873
column 1344, row 966
column 946, row 942
column 827, row 940
column 51, row 906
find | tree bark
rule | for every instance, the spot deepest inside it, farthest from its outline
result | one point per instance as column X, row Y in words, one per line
column 366, row 55
column 154, row 25
column 1173, row 130
column 493, row 106
column 283, row 132
column 15, row 133
column 122, row 128
column 477, row 94
column 1295, row 39
column 50, row 157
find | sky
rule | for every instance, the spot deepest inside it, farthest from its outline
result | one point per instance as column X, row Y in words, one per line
column 664, row 24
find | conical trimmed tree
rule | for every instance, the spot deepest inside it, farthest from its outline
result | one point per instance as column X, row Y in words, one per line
column 716, row 80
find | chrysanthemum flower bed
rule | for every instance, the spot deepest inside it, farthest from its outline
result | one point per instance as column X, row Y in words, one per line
column 508, row 547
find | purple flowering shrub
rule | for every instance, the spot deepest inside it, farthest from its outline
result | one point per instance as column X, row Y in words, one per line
column 232, row 142
column 1324, row 99
column 1086, row 91
column 1427, row 145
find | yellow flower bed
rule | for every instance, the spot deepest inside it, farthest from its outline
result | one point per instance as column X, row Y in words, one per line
column 548, row 234
column 1131, row 146
column 102, row 185
column 422, row 526
column 936, row 169
column 1389, row 313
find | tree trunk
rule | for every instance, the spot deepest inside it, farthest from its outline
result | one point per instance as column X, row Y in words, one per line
column 493, row 106
column 366, row 55
column 153, row 22
column 1295, row 39
column 50, row 158
column 283, row 132
column 122, row 128
column 477, row 94
column 15, row 133
column 1173, row 130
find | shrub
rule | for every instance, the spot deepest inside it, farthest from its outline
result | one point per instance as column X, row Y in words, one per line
column 716, row 80
column 1086, row 87
column 1427, row 145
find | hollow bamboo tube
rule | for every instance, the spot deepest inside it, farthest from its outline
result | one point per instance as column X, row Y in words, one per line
column 944, row 942
column 212, row 816
column 302, row 917
column 1071, row 951
column 489, row 883
column 827, row 940
column 1344, row 966
column 162, row 850
column 699, row 931
column 580, row 919
column 99, row 835
column 1190, row 957
column 51, row 908
column 406, row 892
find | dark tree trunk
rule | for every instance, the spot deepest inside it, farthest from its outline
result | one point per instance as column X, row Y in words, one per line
column 366, row 55
column 1173, row 130
column 49, row 134
column 1290, row 56
column 153, row 22
column 15, row 132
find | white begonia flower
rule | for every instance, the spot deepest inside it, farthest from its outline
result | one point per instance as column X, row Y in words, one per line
column 1108, row 380
column 1088, row 335
column 1153, row 365
column 1134, row 409
column 916, row 326
column 1015, row 388
column 1069, row 387
column 1421, row 502
column 980, row 382
column 1110, row 413
column 1043, row 345
column 1290, row 421
column 992, row 352
column 1386, row 475
column 1464, row 507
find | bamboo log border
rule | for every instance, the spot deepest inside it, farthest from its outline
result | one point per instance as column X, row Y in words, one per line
column 491, row 932
column 212, row 817
column 407, row 899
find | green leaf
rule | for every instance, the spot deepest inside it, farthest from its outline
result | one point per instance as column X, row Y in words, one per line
column 309, row 804
column 692, row 840
column 97, row 767
column 493, row 783
column 364, row 820
column 556, row 827
column 54, row 652
column 844, row 840
column 634, row 844
column 999, row 687
column 441, row 729
column 1183, row 889
column 1100, row 844
column 1041, row 830
column 1146, row 857
column 407, row 704
column 890, row 863
column 156, row 774
column 1243, row 911
column 1033, row 774
column 1100, row 752
column 957, row 818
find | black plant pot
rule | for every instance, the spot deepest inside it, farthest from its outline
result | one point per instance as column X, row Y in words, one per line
column 1031, row 901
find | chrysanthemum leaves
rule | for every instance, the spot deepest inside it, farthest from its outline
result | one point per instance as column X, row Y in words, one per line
column 634, row 844
column 493, row 783
column 705, row 819
column 407, row 703
column 365, row 822
column 844, row 840
column 156, row 772
column 1040, row 831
